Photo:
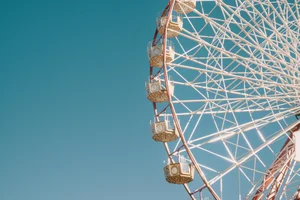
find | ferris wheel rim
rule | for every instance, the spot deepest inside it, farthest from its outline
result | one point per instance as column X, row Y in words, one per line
column 166, row 147
column 169, row 9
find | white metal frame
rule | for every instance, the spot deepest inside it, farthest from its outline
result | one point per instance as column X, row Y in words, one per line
column 237, row 83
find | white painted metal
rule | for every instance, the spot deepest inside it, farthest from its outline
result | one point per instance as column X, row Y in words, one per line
column 237, row 82
column 297, row 145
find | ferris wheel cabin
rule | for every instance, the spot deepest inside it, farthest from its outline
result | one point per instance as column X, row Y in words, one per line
column 163, row 132
column 297, row 145
column 174, row 26
column 184, row 6
column 157, row 92
column 179, row 173
column 155, row 53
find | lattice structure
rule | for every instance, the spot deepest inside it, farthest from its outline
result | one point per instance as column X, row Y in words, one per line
column 236, row 77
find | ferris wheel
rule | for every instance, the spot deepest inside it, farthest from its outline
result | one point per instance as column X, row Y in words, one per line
column 224, row 83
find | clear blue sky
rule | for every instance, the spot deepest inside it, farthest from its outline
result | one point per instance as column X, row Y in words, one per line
column 74, row 119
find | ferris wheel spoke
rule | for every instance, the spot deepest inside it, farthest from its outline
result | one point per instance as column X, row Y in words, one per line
column 245, row 60
column 176, row 148
column 235, row 100
column 236, row 76
column 232, row 160
column 223, row 141
column 281, row 172
column 253, row 35
column 248, row 126
column 237, row 122
column 288, row 180
column 279, row 68
column 280, row 14
column 290, row 11
column 182, row 103
column 222, row 108
column 275, row 95
column 280, row 167
column 262, row 35
column 221, row 50
column 196, row 125
column 208, row 112
column 297, row 8
column 267, row 17
column 249, row 155
column 258, row 27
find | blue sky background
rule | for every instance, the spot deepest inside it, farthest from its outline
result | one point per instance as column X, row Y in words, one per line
column 74, row 118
